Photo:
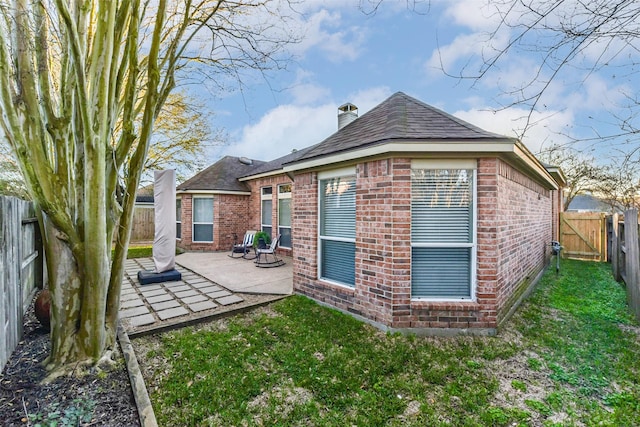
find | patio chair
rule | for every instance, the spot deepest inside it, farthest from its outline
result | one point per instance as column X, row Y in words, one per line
column 245, row 248
column 262, row 255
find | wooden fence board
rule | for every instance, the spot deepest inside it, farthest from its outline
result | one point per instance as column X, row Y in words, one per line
column 20, row 269
column 632, row 261
column 583, row 236
column 615, row 247
column 142, row 226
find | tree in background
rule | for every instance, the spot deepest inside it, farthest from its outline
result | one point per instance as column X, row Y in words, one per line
column 81, row 85
column 598, row 38
column 620, row 187
column 581, row 171
column 11, row 181
column 181, row 136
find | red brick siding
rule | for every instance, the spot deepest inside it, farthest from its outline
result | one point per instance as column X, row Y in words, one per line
column 305, row 247
column 233, row 214
column 230, row 212
column 558, row 208
column 374, row 240
column 186, row 215
column 228, row 218
column 526, row 220
column 513, row 226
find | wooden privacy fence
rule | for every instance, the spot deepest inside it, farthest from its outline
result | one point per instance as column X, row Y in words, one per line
column 21, row 269
column 584, row 236
column 625, row 256
column 142, row 226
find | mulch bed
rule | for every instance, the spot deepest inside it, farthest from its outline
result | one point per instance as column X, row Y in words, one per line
column 104, row 399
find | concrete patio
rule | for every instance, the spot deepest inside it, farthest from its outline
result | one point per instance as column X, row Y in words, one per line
column 238, row 274
column 212, row 285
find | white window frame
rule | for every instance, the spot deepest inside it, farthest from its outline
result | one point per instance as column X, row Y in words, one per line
column 264, row 197
column 324, row 175
column 467, row 164
column 179, row 216
column 194, row 223
column 285, row 196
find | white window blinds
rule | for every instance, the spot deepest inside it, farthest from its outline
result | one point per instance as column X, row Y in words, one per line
column 338, row 229
column 338, row 213
column 442, row 236
column 441, row 206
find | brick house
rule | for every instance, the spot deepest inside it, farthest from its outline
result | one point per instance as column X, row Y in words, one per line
column 407, row 217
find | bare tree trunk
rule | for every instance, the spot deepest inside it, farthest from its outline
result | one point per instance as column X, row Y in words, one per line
column 73, row 304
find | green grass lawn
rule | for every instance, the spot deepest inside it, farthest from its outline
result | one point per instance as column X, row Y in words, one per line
column 570, row 356
column 142, row 251
column 145, row 251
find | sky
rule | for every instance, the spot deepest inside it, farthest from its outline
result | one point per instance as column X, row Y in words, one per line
column 347, row 55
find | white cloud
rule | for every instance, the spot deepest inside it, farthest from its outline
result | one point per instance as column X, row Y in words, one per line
column 477, row 15
column 366, row 99
column 295, row 126
column 326, row 32
column 463, row 46
column 304, row 91
column 544, row 129
column 479, row 42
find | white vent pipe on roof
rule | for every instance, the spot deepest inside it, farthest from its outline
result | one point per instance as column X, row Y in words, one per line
column 346, row 114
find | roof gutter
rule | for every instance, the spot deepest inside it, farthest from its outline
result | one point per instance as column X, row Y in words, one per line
column 407, row 146
column 261, row 175
column 194, row 191
column 508, row 148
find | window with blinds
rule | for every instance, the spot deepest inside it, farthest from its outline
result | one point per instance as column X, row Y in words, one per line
column 442, row 236
column 178, row 218
column 338, row 229
column 202, row 219
column 266, row 204
column 284, row 215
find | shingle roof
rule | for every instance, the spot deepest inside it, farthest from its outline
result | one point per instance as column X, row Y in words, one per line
column 589, row 203
column 222, row 176
column 400, row 117
column 145, row 194
column 276, row 165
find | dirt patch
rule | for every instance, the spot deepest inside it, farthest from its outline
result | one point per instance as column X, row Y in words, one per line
column 285, row 398
column 519, row 383
column 103, row 399
column 632, row 329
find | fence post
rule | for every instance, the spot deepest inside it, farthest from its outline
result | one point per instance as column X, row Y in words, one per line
column 615, row 248
column 632, row 260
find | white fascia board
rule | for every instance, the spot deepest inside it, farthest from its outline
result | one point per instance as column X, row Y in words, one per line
column 262, row 175
column 556, row 170
column 436, row 147
column 534, row 164
column 237, row 193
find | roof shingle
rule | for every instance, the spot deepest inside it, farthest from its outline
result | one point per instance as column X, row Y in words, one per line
column 222, row 176
column 400, row 117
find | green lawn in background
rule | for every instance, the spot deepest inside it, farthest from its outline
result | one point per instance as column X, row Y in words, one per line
column 140, row 251
column 569, row 356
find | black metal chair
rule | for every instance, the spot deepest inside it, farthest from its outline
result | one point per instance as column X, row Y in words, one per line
column 245, row 248
column 262, row 255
